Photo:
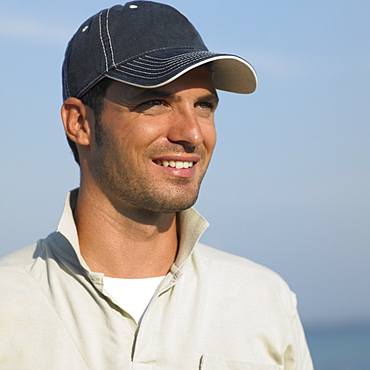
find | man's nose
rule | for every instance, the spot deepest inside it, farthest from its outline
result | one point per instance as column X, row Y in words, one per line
column 186, row 128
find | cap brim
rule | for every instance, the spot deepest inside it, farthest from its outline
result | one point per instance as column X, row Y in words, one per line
column 230, row 72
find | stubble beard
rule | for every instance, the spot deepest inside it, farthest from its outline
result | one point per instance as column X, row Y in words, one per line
column 124, row 182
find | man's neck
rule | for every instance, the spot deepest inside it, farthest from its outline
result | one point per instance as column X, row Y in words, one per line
column 129, row 244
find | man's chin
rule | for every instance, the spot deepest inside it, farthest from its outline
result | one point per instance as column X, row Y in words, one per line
column 171, row 208
column 170, row 205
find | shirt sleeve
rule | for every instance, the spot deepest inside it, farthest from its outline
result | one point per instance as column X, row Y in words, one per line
column 302, row 355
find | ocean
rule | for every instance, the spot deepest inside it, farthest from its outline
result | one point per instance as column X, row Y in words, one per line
column 340, row 348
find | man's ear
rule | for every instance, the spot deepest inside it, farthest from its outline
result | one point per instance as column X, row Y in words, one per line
column 75, row 120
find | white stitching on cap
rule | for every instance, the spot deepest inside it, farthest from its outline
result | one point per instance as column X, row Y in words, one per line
column 102, row 43
column 149, row 52
column 146, row 67
column 169, row 64
column 189, row 57
column 110, row 40
column 87, row 87
column 189, row 54
column 148, row 73
column 162, row 63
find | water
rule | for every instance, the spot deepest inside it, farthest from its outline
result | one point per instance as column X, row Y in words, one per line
column 344, row 348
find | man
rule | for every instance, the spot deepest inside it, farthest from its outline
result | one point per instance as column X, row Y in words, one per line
column 123, row 282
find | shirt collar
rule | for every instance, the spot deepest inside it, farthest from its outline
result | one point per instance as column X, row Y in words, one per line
column 190, row 223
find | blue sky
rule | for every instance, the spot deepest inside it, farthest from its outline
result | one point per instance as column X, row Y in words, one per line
column 289, row 184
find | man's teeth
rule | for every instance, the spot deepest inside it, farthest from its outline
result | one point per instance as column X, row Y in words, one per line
column 175, row 164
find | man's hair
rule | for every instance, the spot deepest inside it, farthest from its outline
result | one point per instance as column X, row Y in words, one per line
column 94, row 98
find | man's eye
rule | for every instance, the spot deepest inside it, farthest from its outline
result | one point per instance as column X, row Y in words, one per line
column 153, row 102
column 206, row 105
column 153, row 106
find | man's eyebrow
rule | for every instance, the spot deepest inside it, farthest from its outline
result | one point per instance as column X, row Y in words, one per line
column 150, row 94
column 213, row 97
column 158, row 94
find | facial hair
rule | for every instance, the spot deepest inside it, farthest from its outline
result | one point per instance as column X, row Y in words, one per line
column 122, row 180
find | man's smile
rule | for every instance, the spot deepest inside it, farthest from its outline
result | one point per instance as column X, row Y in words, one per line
column 174, row 163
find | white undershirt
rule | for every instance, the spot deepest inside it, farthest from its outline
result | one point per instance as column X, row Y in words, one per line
column 133, row 295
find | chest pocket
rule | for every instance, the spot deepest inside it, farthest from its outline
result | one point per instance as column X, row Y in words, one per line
column 215, row 363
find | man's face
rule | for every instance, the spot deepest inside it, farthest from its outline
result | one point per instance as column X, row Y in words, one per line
column 154, row 145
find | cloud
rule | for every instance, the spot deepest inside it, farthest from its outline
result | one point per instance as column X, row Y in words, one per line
column 311, row 65
column 32, row 29
column 282, row 65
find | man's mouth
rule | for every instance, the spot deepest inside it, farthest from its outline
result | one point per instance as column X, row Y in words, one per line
column 174, row 164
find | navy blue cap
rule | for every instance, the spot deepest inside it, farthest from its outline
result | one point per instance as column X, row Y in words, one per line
column 148, row 45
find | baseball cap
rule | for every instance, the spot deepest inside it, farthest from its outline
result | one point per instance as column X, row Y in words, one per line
column 145, row 44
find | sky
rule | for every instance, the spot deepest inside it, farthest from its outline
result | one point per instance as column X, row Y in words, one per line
column 289, row 182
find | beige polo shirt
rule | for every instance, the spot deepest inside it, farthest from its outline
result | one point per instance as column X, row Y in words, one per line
column 213, row 310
